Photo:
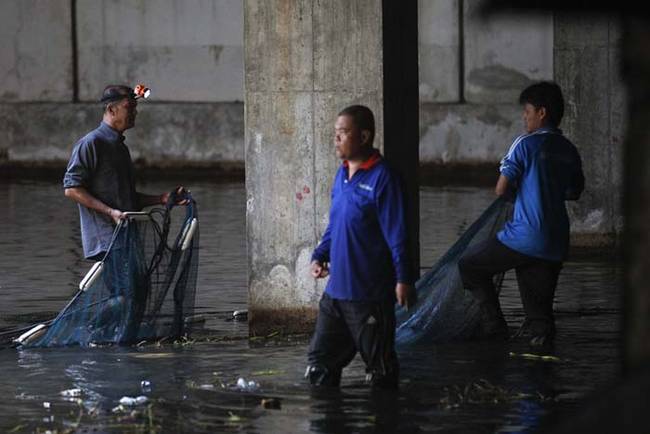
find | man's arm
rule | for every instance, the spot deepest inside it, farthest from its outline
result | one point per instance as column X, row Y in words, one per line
column 82, row 196
column 145, row 200
column 511, row 169
column 577, row 181
column 502, row 186
column 391, row 209
column 83, row 162
column 321, row 255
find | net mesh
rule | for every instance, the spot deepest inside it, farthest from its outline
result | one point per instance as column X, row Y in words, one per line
column 445, row 311
column 145, row 290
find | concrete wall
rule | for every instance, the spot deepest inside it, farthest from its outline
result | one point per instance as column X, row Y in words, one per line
column 471, row 134
column 36, row 51
column 471, row 73
column 166, row 135
column 501, row 55
column 505, row 53
column 439, row 35
column 190, row 53
column 185, row 51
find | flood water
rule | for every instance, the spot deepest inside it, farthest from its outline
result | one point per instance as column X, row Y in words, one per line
column 460, row 387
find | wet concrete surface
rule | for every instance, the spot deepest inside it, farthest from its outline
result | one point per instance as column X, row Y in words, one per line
column 456, row 387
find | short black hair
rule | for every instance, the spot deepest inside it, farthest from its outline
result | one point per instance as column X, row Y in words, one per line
column 545, row 94
column 115, row 92
column 362, row 117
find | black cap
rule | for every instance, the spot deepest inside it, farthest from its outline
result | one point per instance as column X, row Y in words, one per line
column 116, row 93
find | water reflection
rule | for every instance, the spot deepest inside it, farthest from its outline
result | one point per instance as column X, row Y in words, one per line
column 193, row 386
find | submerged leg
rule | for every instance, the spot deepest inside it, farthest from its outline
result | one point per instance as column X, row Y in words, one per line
column 477, row 270
column 331, row 348
column 537, row 282
column 372, row 325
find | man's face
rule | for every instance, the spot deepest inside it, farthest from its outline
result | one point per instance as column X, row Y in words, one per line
column 534, row 118
column 348, row 140
column 124, row 113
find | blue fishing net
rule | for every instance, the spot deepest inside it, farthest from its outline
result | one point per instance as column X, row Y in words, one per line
column 143, row 289
column 445, row 311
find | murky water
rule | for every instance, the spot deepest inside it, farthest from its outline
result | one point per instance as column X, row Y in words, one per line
column 462, row 387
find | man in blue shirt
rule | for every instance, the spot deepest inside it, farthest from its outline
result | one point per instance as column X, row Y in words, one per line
column 100, row 175
column 543, row 169
column 364, row 250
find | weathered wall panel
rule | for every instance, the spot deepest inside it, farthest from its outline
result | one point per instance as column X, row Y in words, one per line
column 439, row 47
column 36, row 51
column 176, row 135
column 185, row 51
column 505, row 53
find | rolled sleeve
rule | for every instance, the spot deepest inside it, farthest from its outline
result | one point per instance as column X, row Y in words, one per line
column 512, row 165
column 81, row 165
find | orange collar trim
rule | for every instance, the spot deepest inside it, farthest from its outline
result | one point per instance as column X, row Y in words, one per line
column 375, row 158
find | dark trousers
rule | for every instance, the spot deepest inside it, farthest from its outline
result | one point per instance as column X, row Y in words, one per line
column 345, row 327
column 537, row 280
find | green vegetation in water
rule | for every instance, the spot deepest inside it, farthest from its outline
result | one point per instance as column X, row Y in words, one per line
column 121, row 419
column 482, row 392
column 539, row 357
column 266, row 372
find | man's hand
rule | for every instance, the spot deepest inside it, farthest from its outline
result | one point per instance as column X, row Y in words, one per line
column 318, row 270
column 116, row 215
column 406, row 295
column 164, row 198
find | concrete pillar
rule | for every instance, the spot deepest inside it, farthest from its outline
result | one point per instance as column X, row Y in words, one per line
column 587, row 58
column 636, row 205
column 304, row 61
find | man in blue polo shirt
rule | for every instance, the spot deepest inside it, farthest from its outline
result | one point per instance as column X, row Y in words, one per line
column 100, row 174
column 542, row 169
column 364, row 251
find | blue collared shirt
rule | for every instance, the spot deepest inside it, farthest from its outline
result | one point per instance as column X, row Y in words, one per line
column 101, row 163
column 365, row 241
column 546, row 169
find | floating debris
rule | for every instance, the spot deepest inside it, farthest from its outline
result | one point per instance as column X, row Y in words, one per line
column 271, row 403
column 267, row 372
column 46, row 405
column 530, row 356
column 240, row 315
column 479, row 392
column 207, row 386
column 130, row 402
column 145, row 386
column 151, row 355
column 184, row 341
column 232, row 417
column 247, row 386
column 71, row 393
column 119, row 409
